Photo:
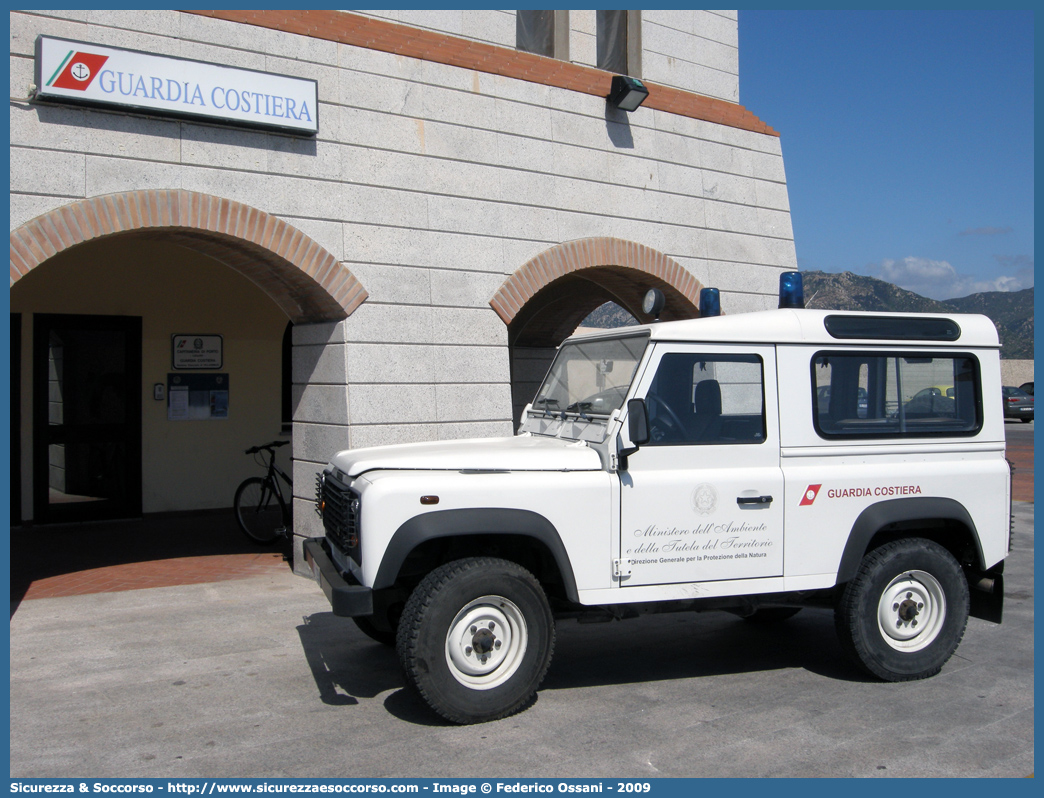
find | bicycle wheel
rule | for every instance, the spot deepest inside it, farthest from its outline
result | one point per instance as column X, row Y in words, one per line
column 260, row 511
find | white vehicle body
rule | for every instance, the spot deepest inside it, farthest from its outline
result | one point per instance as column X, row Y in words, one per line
column 776, row 500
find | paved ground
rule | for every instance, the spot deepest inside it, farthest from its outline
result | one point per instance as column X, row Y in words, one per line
column 228, row 665
column 255, row 677
column 183, row 549
column 1020, row 453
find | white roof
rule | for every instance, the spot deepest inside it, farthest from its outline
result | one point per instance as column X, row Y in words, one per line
column 793, row 326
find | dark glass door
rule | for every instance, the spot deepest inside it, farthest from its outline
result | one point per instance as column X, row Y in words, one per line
column 87, row 417
column 16, row 419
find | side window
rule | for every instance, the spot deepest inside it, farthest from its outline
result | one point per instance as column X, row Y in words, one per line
column 867, row 395
column 707, row 399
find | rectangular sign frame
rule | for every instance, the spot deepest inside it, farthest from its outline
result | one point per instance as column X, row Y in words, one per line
column 197, row 397
column 114, row 78
column 197, row 352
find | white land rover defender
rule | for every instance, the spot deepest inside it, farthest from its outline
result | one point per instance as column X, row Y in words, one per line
column 756, row 463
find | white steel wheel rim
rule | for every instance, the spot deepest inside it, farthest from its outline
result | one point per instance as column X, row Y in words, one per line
column 911, row 611
column 486, row 642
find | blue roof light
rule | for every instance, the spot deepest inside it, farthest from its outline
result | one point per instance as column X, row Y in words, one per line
column 710, row 302
column 791, row 290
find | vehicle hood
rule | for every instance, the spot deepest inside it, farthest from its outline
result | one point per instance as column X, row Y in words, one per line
column 520, row 453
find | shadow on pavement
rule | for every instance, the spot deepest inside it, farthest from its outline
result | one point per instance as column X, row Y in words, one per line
column 346, row 665
column 42, row 552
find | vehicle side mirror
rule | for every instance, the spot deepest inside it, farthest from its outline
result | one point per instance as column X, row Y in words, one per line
column 637, row 429
column 637, row 422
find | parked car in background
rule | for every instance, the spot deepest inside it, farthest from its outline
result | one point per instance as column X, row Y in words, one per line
column 823, row 396
column 1027, row 387
column 938, row 400
column 1017, row 404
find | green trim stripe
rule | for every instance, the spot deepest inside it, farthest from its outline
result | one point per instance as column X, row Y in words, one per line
column 60, row 67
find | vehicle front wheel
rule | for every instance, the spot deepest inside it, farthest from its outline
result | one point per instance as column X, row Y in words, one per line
column 904, row 613
column 376, row 631
column 476, row 639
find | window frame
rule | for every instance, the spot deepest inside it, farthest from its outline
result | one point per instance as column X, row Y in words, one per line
column 632, row 54
column 717, row 357
column 559, row 34
column 896, row 434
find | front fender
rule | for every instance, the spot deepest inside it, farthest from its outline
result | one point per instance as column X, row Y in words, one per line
column 473, row 521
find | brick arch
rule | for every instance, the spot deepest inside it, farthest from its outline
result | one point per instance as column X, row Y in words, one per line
column 303, row 278
column 549, row 296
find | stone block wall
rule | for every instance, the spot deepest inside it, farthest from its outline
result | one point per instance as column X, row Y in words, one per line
column 696, row 51
column 432, row 184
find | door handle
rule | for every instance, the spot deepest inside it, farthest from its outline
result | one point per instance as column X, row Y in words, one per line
column 742, row 500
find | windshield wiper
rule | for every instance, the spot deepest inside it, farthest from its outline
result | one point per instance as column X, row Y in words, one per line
column 578, row 408
column 547, row 405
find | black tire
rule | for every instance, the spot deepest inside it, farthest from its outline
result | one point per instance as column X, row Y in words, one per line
column 367, row 626
column 904, row 614
column 260, row 511
column 502, row 634
column 769, row 615
column 1026, row 420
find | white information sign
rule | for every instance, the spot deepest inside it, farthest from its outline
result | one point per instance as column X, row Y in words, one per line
column 86, row 73
column 196, row 351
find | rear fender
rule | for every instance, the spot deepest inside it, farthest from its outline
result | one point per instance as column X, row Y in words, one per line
column 877, row 517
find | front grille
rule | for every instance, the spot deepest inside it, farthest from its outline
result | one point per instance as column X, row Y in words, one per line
column 339, row 506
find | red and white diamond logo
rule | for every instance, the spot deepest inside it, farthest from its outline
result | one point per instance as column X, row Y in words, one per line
column 77, row 71
column 810, row 495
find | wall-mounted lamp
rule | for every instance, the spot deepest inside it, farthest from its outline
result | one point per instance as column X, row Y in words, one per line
column 627, row 93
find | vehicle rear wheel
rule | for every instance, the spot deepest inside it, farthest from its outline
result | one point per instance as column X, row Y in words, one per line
column 476, row 639
column 259, row 510
column 904, row 614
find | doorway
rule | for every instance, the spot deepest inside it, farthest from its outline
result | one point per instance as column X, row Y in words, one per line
column 87, row 417
column 16, row 419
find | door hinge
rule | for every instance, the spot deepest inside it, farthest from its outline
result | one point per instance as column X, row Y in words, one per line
column 621, row 568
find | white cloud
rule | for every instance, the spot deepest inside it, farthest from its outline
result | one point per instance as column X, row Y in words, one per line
column 937, row 279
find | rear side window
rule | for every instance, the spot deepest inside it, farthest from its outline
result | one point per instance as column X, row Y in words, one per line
column 874, row 395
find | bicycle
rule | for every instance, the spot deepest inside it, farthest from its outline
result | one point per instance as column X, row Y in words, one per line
column 259, row 505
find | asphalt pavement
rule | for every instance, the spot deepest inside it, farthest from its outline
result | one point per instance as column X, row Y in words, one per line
column 256, row 678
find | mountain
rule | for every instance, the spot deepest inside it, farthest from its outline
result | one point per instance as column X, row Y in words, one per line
column 608, row 316
column 1011, row 311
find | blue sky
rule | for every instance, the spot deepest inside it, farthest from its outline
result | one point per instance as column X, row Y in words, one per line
column 907, row 140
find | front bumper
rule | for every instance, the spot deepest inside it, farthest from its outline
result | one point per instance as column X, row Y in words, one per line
column 347, row 598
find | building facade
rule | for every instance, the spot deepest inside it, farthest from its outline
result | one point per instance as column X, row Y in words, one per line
column 402, row 273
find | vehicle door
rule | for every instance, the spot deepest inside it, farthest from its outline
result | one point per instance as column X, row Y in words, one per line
column 702, row 500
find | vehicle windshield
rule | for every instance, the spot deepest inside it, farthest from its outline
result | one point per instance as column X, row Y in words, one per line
column 590, row 378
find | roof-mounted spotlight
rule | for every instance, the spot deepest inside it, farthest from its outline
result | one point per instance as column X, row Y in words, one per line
column 710, row 302
column 627, row 93
column 791, row 290
column 652, row 304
